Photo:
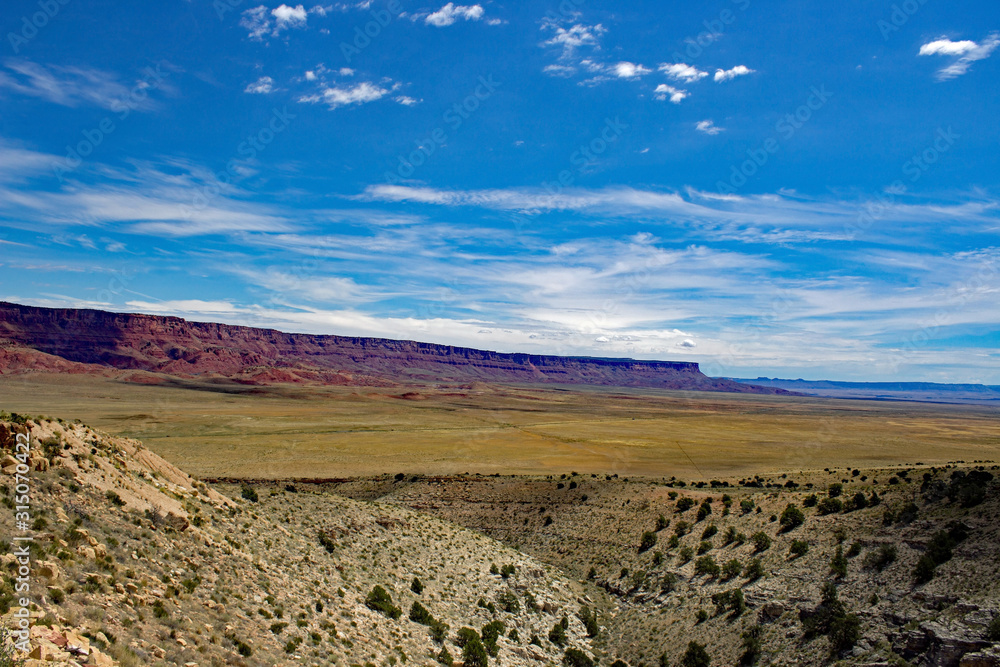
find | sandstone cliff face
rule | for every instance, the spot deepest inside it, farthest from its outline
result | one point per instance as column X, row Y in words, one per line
column 174, row 346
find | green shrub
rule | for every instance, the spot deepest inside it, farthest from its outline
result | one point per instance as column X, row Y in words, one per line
column 557, row 635
column 731, row 569
column 509, row 602
column 507, row 571
column 838, row 564
column 706, row 565
column 589, row 621
column 704, row 547
column 754, row 570
column 490, row 633
column 419, row 614
column 444, row 657
column 792, row 517
column 648, row 541
column 810, row 501
column 114, row 498
column 835, row 490
column 416, row 586
column 661, row 523
column 704, row 510
column 379, row 600
column 761, row 541
column 752, row 645
column 829, row 506
column 574, row 657
column 684, row 504
column 249, row 493
column 854, row 549
column 993, row 630
column 746, row 506
column 799, row 548
column 710, row 531
column 696, row 656
column 474, row 654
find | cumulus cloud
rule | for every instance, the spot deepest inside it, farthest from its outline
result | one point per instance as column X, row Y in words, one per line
column 261, row 22
column 688, row 343
column 261, row 86
column 452, row 12
column 407, row 101
column 708, row 127
column 627, row 70
column 663, row 91
column 682, row 72
column 965, row 53
column 573, row 38
column 729, row 74
column 946, row 47
column 337, row 96
column 289, row 17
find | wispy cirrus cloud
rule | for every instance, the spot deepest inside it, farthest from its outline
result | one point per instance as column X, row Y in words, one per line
column 69, row 86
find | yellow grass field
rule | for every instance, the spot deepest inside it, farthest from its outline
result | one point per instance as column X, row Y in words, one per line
column 296, row 432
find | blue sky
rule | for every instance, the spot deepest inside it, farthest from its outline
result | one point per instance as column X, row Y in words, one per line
column 768, row 188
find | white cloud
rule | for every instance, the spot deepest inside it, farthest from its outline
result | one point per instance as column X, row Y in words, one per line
column 708, row 127
column 966, row 52
column 345, row 71
column 452, row 12
column 310, row 75
column 257, row 21
column 73, row 86
column 688, row 343
column 288, row 17
column 335, row 96
column 261, row 86
column 407, row 101
column 260, row 22
column 627, row 70
column 572, row 38
column 729, row 74
column 946, row 47
column 563, row 71
column 682, row 72
column 663, row 91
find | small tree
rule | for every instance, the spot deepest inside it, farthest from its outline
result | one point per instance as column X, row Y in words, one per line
column 754, row 570
column 704, row 510
column 574, row 657
column 752, row 645
column 661, row 523
column 706, row 565
column 416, row 586
column 557, row 635
column 791, row 518
column 838, row 564
column 731, row 569
column 696, row 656
column 648, row 541
column 761, row 541
column 835, row 489
column 799, row 548
column 249, row 493
column 474, row 654
column 379, row 600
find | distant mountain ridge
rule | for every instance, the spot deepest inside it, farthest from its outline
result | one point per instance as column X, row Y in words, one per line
column 151, row 346
column 934, row 392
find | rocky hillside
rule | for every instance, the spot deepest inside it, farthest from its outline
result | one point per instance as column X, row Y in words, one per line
column 136, row 563
column 147, row 348
column 870, row 567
